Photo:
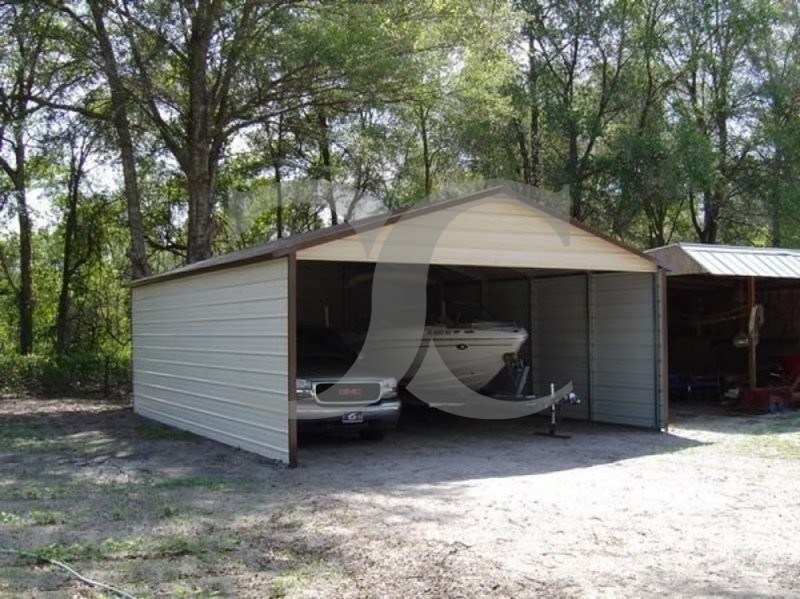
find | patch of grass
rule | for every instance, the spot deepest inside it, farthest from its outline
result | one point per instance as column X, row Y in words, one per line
column 32, row 492
column 229, row 544
column 770, row 446
column 26, row 437
column 192, row 482
column 788, row 424
column 30, row 437
column 282, row 519
column 9, row 518
column 213, row 483
column 195, row 593
column 120, row 513
column 290, row 579
column 111, row 549
column 167, row 511
column 108, row 549
column 176, row 546
column 155, row 431
column 46, row 517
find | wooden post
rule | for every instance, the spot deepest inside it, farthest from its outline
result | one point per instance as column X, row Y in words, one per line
column 751, row 345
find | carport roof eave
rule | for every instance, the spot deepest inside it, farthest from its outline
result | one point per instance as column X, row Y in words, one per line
column 284, row 247
column 684, row 259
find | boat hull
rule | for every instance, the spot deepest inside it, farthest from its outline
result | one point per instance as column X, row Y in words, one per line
column 473, row 355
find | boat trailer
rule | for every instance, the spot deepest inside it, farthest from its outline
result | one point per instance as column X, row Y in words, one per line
column 557, row 398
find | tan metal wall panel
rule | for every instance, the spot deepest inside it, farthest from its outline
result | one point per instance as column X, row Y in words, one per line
column 210, row 355
column 625, row 355
column 496, row 231
column 562, row 337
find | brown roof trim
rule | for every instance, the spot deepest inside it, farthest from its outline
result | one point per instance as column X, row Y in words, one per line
column 280, row 248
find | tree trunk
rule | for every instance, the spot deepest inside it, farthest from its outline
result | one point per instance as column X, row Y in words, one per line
column 327, row 166
column 201, row 209
column 76, row 171
column 70, row 228
column 426, row 156
column 25, row 252
column 524, row 155
column 572, row 176
column 119, row 104
column 200, row 167
column 279, row 198
column 775, row 214
column 534, row 144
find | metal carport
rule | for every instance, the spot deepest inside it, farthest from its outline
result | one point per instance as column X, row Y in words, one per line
column 214, row 342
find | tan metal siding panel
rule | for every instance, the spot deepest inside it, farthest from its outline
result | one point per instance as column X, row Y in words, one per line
column 624, row 356
column 495, row 231
column 210, row 355
column 562, row 336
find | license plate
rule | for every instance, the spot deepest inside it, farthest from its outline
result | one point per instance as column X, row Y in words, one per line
column 353, row 418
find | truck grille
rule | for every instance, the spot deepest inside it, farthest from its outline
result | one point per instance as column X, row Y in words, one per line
column 347, row 393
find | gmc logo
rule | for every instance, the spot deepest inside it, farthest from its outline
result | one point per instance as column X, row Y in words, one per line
column 348, row 391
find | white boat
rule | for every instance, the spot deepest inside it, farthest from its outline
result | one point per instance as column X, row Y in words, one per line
column 473, row 353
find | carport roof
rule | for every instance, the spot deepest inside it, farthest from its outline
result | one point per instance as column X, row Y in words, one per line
column 283, row 247
column 728, row 260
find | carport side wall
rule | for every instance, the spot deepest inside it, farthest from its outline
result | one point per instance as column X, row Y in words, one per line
column 210, row 355
column 625, row 355
column 561, row 333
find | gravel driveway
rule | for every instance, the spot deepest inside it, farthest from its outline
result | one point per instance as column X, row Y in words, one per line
column 444, row 507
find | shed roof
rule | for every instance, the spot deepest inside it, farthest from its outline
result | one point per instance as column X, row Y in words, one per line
column 283, row 247
column 728, row 260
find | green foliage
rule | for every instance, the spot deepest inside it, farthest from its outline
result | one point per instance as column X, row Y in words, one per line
column 666, row 120
column 76, row 373
column 112, row 548
column 46, row 517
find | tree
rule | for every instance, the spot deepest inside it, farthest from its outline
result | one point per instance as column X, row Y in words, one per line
column 76, row 251
column 713, row 99
column 644, row 157
column 24, row 73
column 776, row 54
column 578, row 53
column 203, row 71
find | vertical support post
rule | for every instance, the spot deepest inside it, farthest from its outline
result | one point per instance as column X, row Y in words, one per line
column 292, row 356
column 590, row 313
column 532, row 332
column 752, row 362
column 662, row 349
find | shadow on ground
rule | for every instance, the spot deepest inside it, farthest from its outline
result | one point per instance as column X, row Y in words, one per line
column 432, row 447
column 152, row 508
column 429, row 447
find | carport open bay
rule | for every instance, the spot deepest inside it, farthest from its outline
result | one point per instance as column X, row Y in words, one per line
column 444, row 507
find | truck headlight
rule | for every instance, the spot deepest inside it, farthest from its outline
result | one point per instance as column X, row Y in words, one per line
column 389, row 387
column 305, row 390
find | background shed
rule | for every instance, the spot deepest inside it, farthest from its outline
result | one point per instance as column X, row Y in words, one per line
column 712, row 291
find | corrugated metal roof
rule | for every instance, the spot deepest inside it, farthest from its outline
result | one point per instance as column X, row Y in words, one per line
column 728, row 260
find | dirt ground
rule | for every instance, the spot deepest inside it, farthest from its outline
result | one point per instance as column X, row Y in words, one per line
column 444, row 508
